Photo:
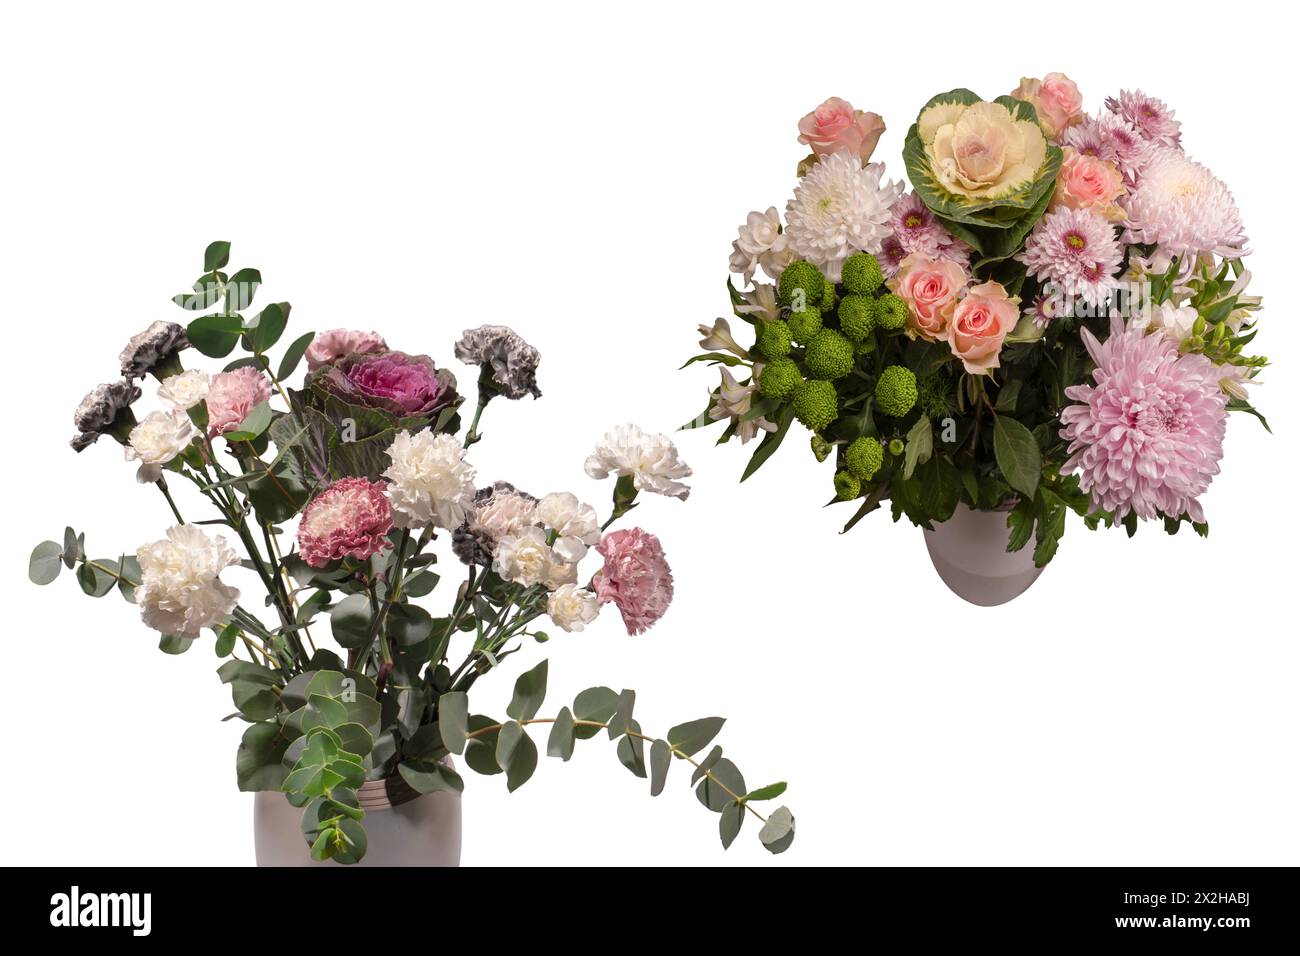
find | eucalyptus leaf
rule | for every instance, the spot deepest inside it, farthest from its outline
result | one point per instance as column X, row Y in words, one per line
column 530, row 692
column 46, row 562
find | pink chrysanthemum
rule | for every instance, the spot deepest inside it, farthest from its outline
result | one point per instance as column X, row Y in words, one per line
column 232, row 395
column 350, row 518
column 1182, row 207
column 1076, row 249
column 1043, row 310
column 917, row 231
column 635, row 577
column 1114, row 139
column 1148, row 436
column 891, row 256
column 1149, row 116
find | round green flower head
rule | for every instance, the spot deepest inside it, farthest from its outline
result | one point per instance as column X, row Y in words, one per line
column 829, row 298
column 847, row 487
column 935, row 395
column 821, row 448
column 864, row 457
column 865, row 347
column 816, row 404
column 779, row 379
column 804, row 325
column 857, row 316
column 896, row 447
column 891, row 311
column 862, row 274
column 801, row 275
column 896, row 391
column 829, row 355
column 773, row 339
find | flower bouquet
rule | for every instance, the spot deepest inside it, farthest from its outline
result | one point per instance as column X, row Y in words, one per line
column 364, row 458
column 1053, row 319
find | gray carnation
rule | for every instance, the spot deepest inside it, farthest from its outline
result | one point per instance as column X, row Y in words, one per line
column 100, row 410
column 495, row 511
column 155, row 346
column 501, row 353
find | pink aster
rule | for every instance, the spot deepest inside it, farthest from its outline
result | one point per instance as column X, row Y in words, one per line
column 350, row 518
column 1114, row 139
column 1149, row 116
column 1148, row 436
column 635, row 577
column 1075, row 249
column 915, row 230
column 232, row 395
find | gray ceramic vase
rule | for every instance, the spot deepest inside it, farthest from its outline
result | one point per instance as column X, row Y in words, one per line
column 970, row 553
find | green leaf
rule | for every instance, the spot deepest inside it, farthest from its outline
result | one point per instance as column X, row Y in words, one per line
column 215, row 335
column 480, row 752
column 241, row 288
column 293, row 355
column 216, row 256
column 1017, row 454
column 1050, row 529
column 129, row 577
column 712, row 790
column 596, row 704
column 707, row 764
column 1020, row 520
column 259, row 761
column 920, row 445
column 453, row 717
column 426, row 777
column 622, row 718
column 729, row 823
column 770, row 443
column 256, row 422
column 266, row 327
column 350, row 621
column 561, row 741
column 661, row 756
column 530, row 691
column 418, row 585
column 226, row 640
column 175, row 644
column 45, row 563
column 770, row 792
column 516, row 754
column 97, row 577
column 631, row 750
column 778, row 832
column 694, row 735
column 73, row 550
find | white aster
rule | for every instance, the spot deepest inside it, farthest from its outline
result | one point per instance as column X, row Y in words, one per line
column 185, row 390
column 1183, row 208
column 180, row 591
column 760, row 238
column 156, row 440
column 525, row 558
column 840, row 207
column 429, row 481
column 574, row 523
column 650, row 460
column 572, row 608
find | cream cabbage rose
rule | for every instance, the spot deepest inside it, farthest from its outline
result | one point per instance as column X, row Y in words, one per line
column 980, row 150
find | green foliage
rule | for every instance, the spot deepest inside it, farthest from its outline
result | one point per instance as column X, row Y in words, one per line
column 773, row 339
column 896, row 391
column 861, row 274
column 891, row 312
column 804, row 325
column 857, row 315
column 800, row 281
column 863, row 458
column 779, row 379
column 815, row 404
column 829, row 355
column 847, row 486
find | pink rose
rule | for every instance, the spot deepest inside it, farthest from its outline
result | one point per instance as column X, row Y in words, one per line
column 836, row 125
column 232, row 395
column 329, row 347
column 930, row 289
column 1056, row 99
column 980, row 323
column 1089, row 182
column 635, row 577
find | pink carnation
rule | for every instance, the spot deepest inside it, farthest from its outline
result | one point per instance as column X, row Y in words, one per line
column 635, row 577
column 1148, row 436
column 329, row 347
column 350, row 518
column 836, row 125
column 232, row 395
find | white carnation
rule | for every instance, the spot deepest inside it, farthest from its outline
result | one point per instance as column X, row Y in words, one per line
column 180, row 591
column 572, row 608
column 429, row 481
column 156, row 440
column 525, row 558
column 840, row 207
column 574, row 523
column 185, row 390
column 650, row 460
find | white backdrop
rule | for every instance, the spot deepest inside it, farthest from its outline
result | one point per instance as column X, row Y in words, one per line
column 580, row 176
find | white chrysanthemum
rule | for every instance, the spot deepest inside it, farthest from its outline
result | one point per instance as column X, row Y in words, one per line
column 180, row 591
column 650, row 460
column 525, row 558
column 185, row 390
column 840, row 207
column 429, row 481
column 1181, row 206
column 572, row 608
column 156, row 440
column 574, row 523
